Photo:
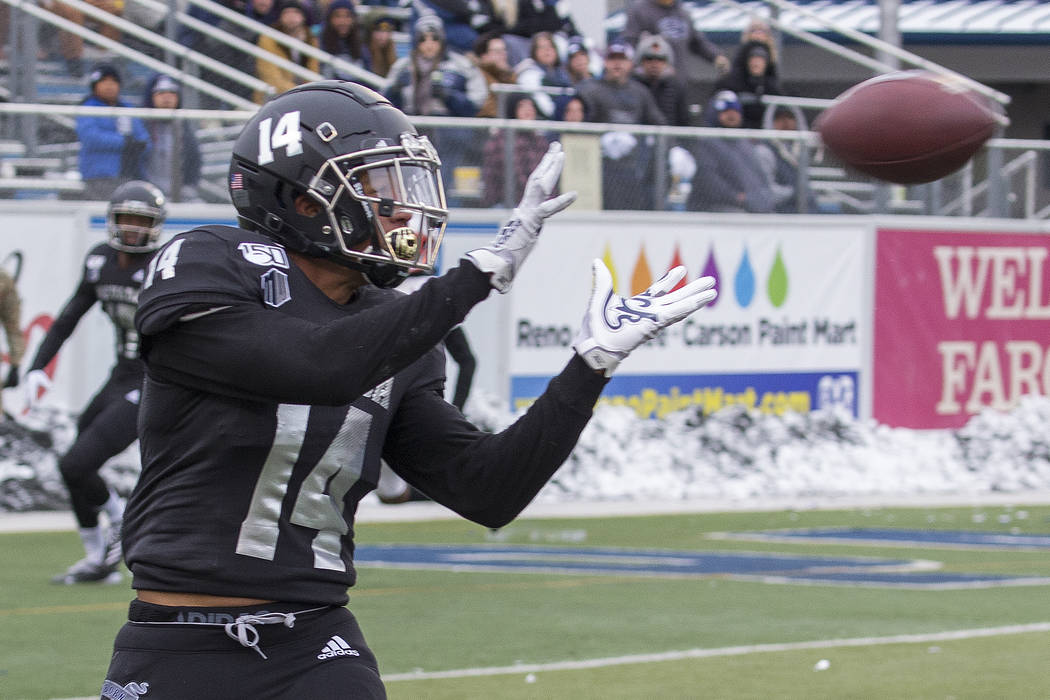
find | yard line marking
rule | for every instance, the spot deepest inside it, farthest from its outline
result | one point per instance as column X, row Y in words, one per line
column 723, row 651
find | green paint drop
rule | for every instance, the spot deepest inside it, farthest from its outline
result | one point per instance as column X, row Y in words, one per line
column 777, row 286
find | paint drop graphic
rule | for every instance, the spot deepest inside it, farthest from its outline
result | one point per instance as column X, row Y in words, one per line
column 676, row 261
column 607, row 258
column 711, row 270
column 642, row 276
column 777, row 286
column 744, row 281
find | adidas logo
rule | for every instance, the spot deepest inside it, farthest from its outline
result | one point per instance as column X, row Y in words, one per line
column 337, row 646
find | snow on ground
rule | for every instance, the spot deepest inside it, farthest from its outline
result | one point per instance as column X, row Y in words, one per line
column 731, row 457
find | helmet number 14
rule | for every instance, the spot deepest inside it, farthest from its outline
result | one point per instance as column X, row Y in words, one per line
column 285, row 135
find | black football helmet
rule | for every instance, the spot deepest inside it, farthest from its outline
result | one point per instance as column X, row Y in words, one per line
column 347, row 148
column 142, row 199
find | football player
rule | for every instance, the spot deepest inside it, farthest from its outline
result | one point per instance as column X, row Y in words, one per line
column 280, row 368
column 113, row 273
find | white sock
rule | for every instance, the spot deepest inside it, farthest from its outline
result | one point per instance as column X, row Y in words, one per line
column 114, row 507
column 94, row 539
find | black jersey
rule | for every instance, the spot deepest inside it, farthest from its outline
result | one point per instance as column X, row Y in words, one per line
column 116, row 288
column 267, row 407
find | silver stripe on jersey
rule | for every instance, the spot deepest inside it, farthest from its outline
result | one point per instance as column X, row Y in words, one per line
column 258, row 536
column 342, row 463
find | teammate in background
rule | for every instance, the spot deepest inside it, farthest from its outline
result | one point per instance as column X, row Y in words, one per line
column 11, row 320
column 280, row 368
column 113, row 273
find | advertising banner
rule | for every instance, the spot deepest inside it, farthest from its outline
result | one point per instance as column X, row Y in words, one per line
column 787, row 331
column 961, row 324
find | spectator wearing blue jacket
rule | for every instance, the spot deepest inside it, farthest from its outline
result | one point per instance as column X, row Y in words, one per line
column 113, row 150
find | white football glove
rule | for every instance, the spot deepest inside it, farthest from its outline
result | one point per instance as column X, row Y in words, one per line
column 504, row 256
column 35, row 384
column 613, row 325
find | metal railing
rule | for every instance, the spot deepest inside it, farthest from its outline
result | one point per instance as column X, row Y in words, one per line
column 834, row 189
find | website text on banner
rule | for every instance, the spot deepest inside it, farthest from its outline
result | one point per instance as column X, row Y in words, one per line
column 961, row 324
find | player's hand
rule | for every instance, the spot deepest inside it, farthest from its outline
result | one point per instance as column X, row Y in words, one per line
column 722, row 64
column 504, row 256
column 613, row 325
column 36, row 383
column 12, row 377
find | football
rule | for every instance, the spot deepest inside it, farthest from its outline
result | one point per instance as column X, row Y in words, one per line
column 908, row 127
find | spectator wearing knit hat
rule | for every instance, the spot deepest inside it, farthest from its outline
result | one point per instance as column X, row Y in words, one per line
column 113, row 150
column 670, row 19
column 655, row 70
column 578, row 60
column 293, row 20
column 176, row 152
column 341, row 37
column 379, row 42
column 752, row 76
column 433, row 80
column 729, row 176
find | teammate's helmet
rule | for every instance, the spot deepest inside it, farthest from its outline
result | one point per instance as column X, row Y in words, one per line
column 141, row 199
column 348, row 149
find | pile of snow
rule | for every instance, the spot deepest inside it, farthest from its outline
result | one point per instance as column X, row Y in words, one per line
column 732, row 455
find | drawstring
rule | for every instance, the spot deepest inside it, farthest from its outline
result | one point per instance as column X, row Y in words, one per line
column 243, row 629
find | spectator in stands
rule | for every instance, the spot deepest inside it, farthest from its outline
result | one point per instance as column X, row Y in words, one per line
column 752, row 76
column 617, row 99
column 112, row 149
column 578, row 61
column 463, row 20
column 491, row 56
column 291, row 20
column 262, row 11
column 574, row 111
column 780, row 162
column 341, row 37
column 729, row 176
column 527, row 150
column 656, row 72
column 175, row 143
column 534, row 16
column 70, row 45
column 379, row 42
column 11, row 320
column 527, row 18
column 434, row 80
column 543, row 69
column 758, row 29
column 672, row 21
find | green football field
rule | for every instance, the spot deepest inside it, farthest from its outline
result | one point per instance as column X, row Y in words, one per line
column 454, row 632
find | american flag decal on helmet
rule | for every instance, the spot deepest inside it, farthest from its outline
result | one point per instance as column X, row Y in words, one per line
column 236, row 181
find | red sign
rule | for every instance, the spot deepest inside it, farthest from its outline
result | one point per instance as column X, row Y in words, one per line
column 962, row 323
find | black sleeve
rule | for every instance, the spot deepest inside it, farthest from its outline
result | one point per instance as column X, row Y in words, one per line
column 244, row 350
column 459, row 348
column 489, row 478
column 82, row 300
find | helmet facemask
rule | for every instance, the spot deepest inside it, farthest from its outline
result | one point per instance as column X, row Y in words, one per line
column 138, row 237
column 361, row 189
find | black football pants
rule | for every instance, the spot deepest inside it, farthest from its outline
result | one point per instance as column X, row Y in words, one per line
column 193, row 653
